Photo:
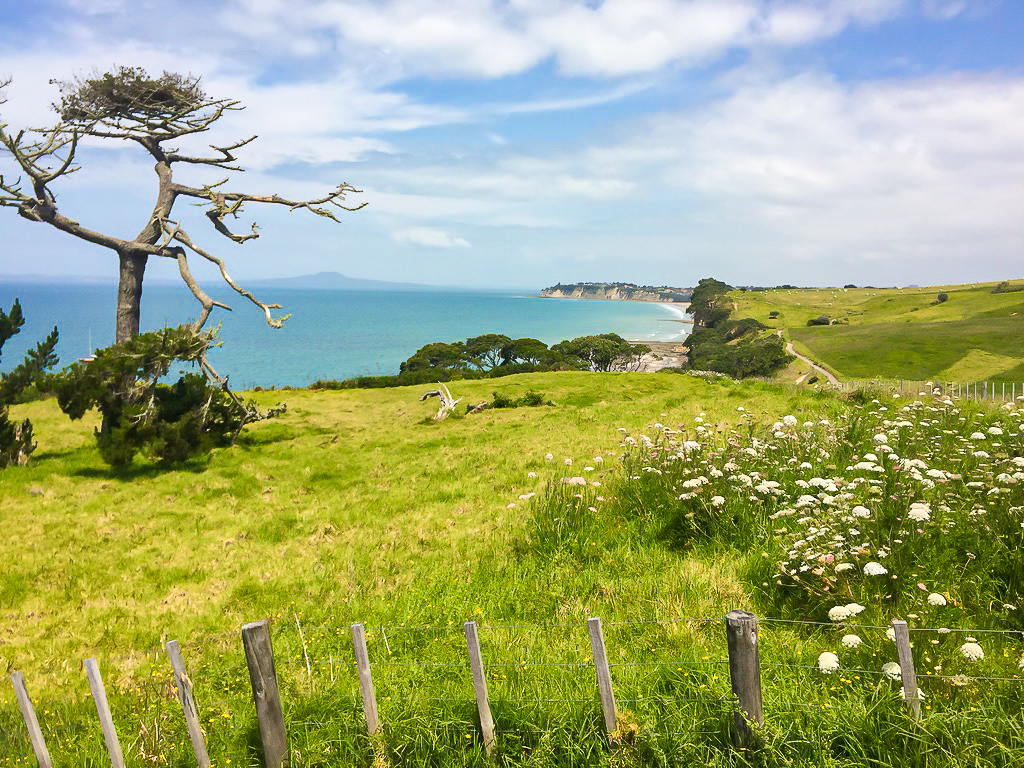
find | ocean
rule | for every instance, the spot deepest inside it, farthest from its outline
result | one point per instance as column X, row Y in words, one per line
column 332, row 334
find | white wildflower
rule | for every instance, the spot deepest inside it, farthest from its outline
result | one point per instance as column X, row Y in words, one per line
column 845, row 567
column 860, row 511
column 828, row 662
column 892, row 670
column 874, row 569
column 839, row 613
column 789, row 421
column 717, row 501
column 936, row 599
column 972, row 652
column 851, row 641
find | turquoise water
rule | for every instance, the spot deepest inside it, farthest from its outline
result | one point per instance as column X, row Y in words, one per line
column 332, row 334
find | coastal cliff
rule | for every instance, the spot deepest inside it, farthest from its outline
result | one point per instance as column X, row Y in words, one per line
column 616, row 292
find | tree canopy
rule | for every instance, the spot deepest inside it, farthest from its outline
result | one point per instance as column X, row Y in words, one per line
column 127, row 104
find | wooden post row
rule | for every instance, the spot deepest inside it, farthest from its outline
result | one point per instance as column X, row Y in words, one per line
column 745, row 673
column 188, row 704
column 35, row 734
column 259, row 656
column 99, row 695
column 483, row 705
column 604, row 679
column 365, row 679
column 907, row 672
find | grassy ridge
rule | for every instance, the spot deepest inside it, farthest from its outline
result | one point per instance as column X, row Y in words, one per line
column 355, row 507
column 902, row 333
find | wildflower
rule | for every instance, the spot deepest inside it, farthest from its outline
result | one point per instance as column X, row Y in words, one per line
column 860, row 511
column 568, row 462
column 855, row 608
column 995, row 431
column 920, row 511
column 789, row 421
column 881, row 438
column 574, row 481
column 936, row 599
column 527, row 496
column 531, row 475
column 874, row 569
column 828, row 663
column 960, row 680
column 838, row 613
column 717, row 501
column 851, row 641
column 845, row 567
column 1021, row 664
column 972, row 652
column 892, row 670
column 548, row 456
column 977, row 436
column 891, row 634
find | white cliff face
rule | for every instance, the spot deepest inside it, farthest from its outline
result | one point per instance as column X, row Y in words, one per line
column 613, row 292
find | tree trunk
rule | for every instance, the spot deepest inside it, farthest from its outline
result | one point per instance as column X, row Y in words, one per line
column 129, row 294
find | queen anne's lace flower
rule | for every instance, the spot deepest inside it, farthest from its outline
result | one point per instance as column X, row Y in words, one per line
column 972, row 652
column 828, row 662
column 936, row 599
column 851, row 641
column 839, row 613
column 789, row 421
column 892, row 670
column 874, row 569
column 860, row 511
column 919, row 512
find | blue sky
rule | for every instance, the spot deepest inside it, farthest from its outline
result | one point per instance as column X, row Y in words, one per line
column 526, row 142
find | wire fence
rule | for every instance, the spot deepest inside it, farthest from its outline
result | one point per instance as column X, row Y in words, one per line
column 485, row 683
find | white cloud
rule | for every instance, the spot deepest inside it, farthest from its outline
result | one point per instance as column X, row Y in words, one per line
column 430, row 238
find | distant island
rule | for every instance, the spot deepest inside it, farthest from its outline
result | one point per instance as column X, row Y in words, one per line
column 617, row 292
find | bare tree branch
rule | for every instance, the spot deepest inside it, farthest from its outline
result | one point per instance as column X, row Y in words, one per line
column 180, row 235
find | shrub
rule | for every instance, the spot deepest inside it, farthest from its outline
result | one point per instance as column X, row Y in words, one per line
column 16, row 438
column 774, row 314
column 820, row 320
column 140, row 414
column 942, row 298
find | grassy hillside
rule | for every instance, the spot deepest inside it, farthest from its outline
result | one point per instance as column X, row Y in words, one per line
column 902, row 333
column 356, row 507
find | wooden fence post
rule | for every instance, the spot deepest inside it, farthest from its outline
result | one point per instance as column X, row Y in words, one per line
column 365, row 679
column 99, row 696
column 259, row 656
column 483, row 706
column 188, row 704
column 35, row 733
column 745, row 673
column 604, row 679
column 907, row 672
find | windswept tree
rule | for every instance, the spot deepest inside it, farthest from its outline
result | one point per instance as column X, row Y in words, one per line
column 154, row 113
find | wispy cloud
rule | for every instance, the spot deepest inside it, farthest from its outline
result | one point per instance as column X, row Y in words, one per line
column 430, row 238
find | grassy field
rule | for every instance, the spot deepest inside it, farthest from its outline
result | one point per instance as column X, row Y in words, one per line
column 356, row 507
column 902, row 333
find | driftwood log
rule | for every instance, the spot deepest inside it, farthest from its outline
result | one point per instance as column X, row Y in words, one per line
column 448, row 402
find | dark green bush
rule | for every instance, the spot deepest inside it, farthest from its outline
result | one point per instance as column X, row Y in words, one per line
column 820, row 320
column 16, row 438
column 140, row 414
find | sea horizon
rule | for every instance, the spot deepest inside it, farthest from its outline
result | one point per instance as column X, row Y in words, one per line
column 332, row 333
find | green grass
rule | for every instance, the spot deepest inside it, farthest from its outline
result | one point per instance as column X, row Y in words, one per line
column 902, row 333
column 356, row 507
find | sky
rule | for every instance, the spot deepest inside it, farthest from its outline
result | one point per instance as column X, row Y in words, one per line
column 521, row 143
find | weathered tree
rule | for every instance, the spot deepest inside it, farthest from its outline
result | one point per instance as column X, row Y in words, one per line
column 153, row 112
